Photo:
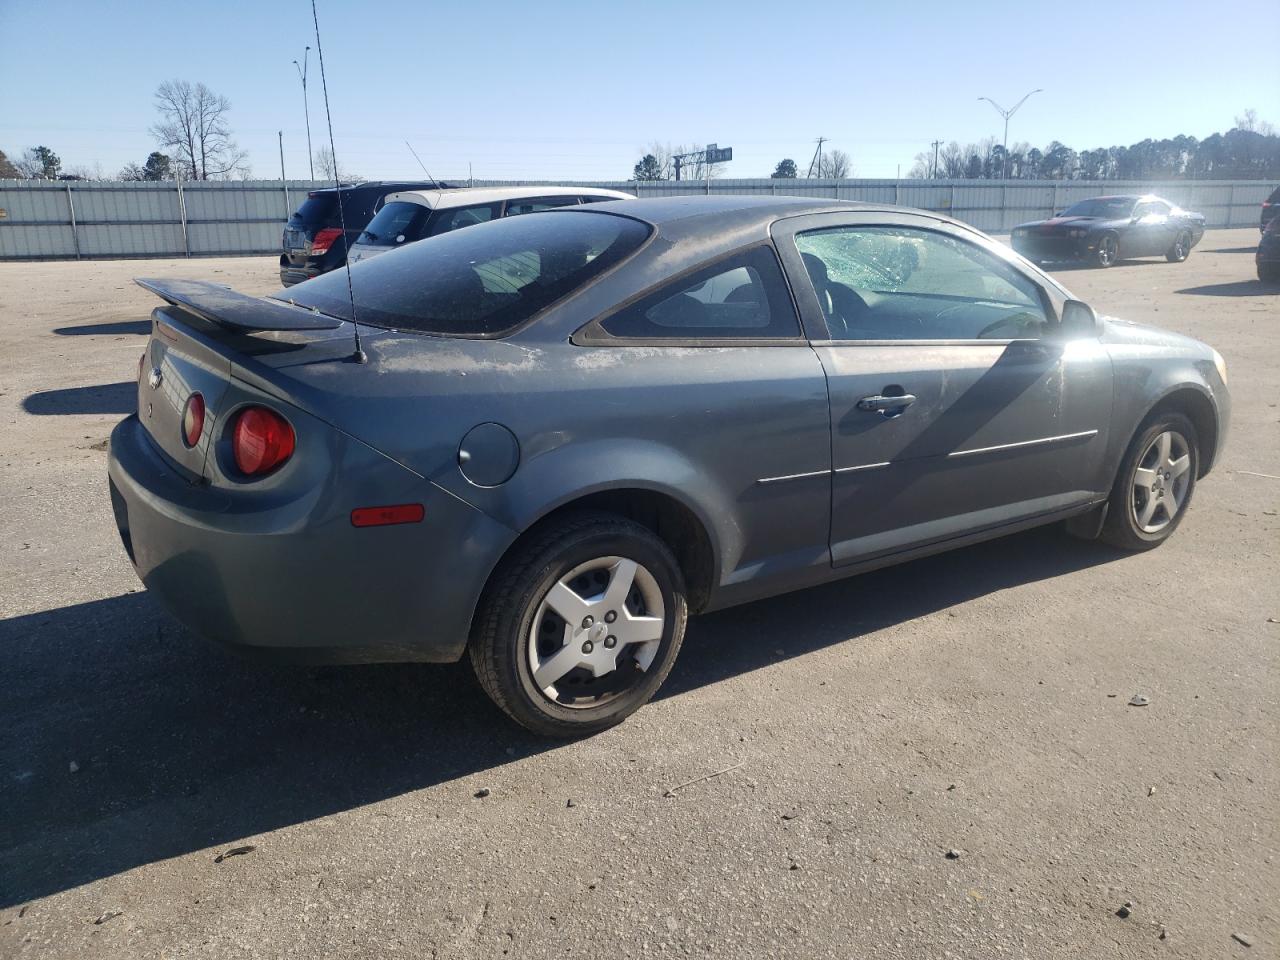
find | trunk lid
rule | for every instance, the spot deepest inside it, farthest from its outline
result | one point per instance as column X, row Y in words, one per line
column 194, row 340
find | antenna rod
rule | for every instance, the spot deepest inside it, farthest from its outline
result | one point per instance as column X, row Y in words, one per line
column 434, row 182
column 359, row 356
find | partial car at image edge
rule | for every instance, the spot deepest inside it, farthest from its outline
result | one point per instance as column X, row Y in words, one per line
column 565, row 433
column 1267, row 257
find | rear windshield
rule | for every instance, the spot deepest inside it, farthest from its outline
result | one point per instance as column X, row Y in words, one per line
column 396, row 223
column 1108, row 208
column 317, row 208
column 478, row 282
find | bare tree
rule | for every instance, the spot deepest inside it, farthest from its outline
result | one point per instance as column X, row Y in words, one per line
column 330, row 169
column 193, row 124
column 835, row 164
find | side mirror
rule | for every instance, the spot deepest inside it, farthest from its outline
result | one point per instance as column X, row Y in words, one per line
column 1078, row 321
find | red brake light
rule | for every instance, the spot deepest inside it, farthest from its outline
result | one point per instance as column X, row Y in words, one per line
column 324, row 240
column 193, row 420
column 261, row 440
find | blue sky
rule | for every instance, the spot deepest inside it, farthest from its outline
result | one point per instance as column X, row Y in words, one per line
column 566, row 90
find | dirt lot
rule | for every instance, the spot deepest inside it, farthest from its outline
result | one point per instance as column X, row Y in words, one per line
column 975, row 701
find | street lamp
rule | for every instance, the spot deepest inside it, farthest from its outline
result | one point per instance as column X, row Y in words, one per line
column 306, row 108
column 1007, row 114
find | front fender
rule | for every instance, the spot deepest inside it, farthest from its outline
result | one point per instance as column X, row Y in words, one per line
column 1145, row 383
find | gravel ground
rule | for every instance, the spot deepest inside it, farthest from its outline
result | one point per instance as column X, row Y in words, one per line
column 975, row 702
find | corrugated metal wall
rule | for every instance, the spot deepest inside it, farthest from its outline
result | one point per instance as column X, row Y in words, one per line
column 40, row 219
column 47, row 220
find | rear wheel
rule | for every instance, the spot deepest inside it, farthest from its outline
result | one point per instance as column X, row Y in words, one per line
column 580, row 626
column 1154, row 485
column 1181, row 248
column 1108, row 250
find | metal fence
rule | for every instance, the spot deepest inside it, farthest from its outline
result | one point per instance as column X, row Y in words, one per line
column 47, row 220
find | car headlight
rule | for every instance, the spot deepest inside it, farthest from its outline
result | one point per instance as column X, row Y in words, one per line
column 1221, row 365
column 1019, row 232
column 1077, row 234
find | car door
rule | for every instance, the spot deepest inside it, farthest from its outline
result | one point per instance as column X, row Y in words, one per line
column 957, row 405
column 1151, row 231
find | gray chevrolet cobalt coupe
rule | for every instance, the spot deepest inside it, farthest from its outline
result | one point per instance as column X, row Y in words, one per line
column 563, row 433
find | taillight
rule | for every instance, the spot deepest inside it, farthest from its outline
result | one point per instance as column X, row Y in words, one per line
column 324, row 240
column 261, row 440
column 193, row 420
column 142, row 362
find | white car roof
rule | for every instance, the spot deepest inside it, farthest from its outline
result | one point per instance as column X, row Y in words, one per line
column 466, row 196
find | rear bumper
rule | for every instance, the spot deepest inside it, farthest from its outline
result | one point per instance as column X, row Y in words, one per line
column 289, row 575
column 290, row 274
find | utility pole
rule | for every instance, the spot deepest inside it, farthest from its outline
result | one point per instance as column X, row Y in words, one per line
column 816, row 163
column 306, row 109
column 283, row 182
column 1004, row 173
column 936, row 144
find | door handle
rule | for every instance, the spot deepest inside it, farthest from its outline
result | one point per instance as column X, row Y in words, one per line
column 879, row 404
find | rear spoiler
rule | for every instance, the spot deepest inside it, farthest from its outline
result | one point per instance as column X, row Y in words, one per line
column 236, row 311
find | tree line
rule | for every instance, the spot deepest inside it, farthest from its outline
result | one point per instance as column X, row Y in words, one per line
column 1248, row 151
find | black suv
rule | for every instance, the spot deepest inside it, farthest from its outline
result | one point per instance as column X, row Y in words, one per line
column 1270, row 209
column 313, row 240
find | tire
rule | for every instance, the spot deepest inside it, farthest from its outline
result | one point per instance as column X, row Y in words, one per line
column 1108, row 251
column 1181, row 248
column 1146, row 486
column 592, row 552
column 1269, row 272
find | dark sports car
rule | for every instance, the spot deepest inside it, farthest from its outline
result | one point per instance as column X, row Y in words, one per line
column 1102, row 230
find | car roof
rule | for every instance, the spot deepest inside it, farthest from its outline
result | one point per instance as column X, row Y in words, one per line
column 738, row 207
column 447, row 199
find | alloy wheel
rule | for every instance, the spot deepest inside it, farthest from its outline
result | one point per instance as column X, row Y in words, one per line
column 1160, row 482
column 596, row 632
column 1107, row 250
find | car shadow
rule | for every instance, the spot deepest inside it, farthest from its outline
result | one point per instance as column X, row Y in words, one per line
column 1069, row 266
column 117, row 328
column 1237, row 288
column 180, row 746
column 114, row 398
column 1253, row 249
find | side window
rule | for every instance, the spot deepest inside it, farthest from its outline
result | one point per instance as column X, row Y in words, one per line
column 442, row 221
column 534, row 204
column 744, row 297
column 900, row 283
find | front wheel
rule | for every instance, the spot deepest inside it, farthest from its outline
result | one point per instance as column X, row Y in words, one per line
column 1108, row 250
column 1181, row 248
column 580, row 625
column 1154, row 485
